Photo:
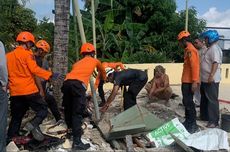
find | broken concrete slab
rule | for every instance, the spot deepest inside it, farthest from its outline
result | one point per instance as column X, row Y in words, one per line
column 134, row 120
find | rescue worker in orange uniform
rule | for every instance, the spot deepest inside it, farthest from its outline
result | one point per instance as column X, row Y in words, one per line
column 42, row 49
column 24, row 93
column 100, row 83
column 190, row 79
column 74, row 92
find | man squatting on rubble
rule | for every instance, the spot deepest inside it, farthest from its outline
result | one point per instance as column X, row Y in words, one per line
column 190, row 79
column 135, row 79
column 24, row 93
column 74, row 93
column 100, row 83
column 42, row 49
column 159, row 87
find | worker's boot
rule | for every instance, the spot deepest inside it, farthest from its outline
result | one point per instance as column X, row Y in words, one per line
column 186, row 124
column 193, row 128
column 69, row 134
column 86, row 113
column 102, row 104
column 36, row 132
column 79, row 145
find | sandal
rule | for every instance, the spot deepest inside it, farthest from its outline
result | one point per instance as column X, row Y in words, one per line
column 212, row 125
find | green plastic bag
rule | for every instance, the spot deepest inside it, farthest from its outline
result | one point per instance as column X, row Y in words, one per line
column 161, row 136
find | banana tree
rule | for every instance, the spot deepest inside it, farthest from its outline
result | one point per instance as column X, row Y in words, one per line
column 130, row 27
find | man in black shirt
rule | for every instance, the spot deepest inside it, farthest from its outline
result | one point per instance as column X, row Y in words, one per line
column 42, row 49
column 135, row 79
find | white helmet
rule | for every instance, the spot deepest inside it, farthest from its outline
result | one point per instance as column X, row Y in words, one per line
column 108, row 71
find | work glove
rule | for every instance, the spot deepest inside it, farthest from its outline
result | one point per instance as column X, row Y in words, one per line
column 57, row 76
column 86, row 113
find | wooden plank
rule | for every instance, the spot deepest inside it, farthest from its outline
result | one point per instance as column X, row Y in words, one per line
column 115, row 144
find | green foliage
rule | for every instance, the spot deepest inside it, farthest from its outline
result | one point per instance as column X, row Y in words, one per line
column 14, row 19
column 73, row 46
column 45, row 30
column 130, row 31
column 144, row 57
column 143, row 29
column 195, row 27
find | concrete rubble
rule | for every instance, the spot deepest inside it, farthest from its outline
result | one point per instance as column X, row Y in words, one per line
column 96, row 136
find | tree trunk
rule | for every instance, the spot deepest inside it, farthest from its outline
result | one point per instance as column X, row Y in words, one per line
column 61, row 38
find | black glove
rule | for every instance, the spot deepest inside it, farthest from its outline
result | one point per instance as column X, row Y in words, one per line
column 56, row 76
column 86, row 113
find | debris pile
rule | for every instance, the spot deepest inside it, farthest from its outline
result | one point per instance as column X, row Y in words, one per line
column 117, row 129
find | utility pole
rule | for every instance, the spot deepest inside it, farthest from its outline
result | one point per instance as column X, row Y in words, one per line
column 93, row 25
column 186, row 17
column 83, row 40
column 75, row 30
column 79, row 21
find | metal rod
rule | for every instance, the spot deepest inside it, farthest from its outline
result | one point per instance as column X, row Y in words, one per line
column 186, row 17
column 75, row 30
column 227, row 28
column 80, row 24
column 225, row 39
column 97, row 112
column 122, row 98
column 93, row 25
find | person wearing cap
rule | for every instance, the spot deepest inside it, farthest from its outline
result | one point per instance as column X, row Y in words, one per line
column 24, row 93
column 135, row 79
column 210, row 78
column 190, row 79
column 117, row 66
column 42, row 49
column 74, row 93
column 3, row 97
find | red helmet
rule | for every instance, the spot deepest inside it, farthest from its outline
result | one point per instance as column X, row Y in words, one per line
column 183, row 34
column 25, row 37
column 42, row 44
column 87, row 48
